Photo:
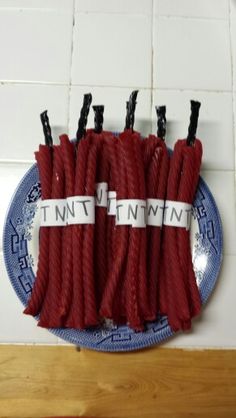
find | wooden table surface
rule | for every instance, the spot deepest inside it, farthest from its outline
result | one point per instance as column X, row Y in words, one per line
column 39, row 381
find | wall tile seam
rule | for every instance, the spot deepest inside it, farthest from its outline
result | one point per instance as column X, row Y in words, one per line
column 174, row 89
column 166, row 16
column 197, row 18
column 6, row 82
column 114, row 13
column 152, row 59
column 233, row 90
column 108, row 13
column 35, row 9
column 115, row 86
column 71, row 66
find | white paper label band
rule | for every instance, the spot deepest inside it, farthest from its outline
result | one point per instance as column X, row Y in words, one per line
column 131, row 212
column 155, row 210
column 101, row 194
column 80, row 210
column 53, row 212
column 135, row 212
column 111, row 203
column 177, row 214
column 73, row 210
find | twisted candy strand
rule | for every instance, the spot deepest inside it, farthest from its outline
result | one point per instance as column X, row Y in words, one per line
column 50, row 315
column 67, row 148
column 90, row 306
column 75, row 317
column 34, row 304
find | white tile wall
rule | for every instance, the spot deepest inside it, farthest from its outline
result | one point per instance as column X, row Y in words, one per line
column 23, row 103
column 37, row 4
column 112, row 50
column 192, row 8
column 113, row 6
column 232, row 5
column 233, row 37
column 35, row 45
column 192, row 54
column 54, row 51
column 215, row 126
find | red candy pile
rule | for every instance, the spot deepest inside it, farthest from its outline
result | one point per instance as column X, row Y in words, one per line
column 127, row 258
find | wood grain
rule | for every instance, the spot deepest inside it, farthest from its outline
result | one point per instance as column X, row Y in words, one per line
column 39, row 381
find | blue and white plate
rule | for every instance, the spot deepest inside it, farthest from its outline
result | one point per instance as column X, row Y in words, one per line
column 20, row 243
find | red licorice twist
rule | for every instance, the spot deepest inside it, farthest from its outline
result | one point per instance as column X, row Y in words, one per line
column 50, row 312
column 90, row 306
column 177, row 298
column 134, row 319
column 121, row 233
column 148, row 148
column 110, row 147
column 76, row 315
column 68, row 155
column 153, row 233
column 44, row 161
column 144, row 306
column 161, row 194
column 191, row 167
column 101, row 261
column 183, row 299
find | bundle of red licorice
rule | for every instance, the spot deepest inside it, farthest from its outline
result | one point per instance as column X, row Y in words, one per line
column 114, row 237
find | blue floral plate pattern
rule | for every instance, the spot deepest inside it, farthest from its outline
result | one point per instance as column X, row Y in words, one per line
column 20, row 245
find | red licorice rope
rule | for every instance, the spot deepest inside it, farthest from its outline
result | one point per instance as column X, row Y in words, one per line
column 157, row 175
column 121, row 233
column 119, row 309
column 161, row 194
column 90, row 306
column 141, row 193
column 68, row 155
column 191, row 166
column 50, row 312
column 127, row 146
column 76, row 316
column 182, row 296
column 101, row 259
column 44, row 161
column 113, row 175
column 122, row 272
column 117, row 306
column 148, row 148
column 174, row 300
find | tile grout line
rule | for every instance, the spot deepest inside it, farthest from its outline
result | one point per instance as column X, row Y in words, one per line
column 233, row 86
column 4, row 82
column 62, row 84
column 34, row 9
column 152, row 62
column 165, row 16
column 71, row 62
column 98, row 12
column 203, row 18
